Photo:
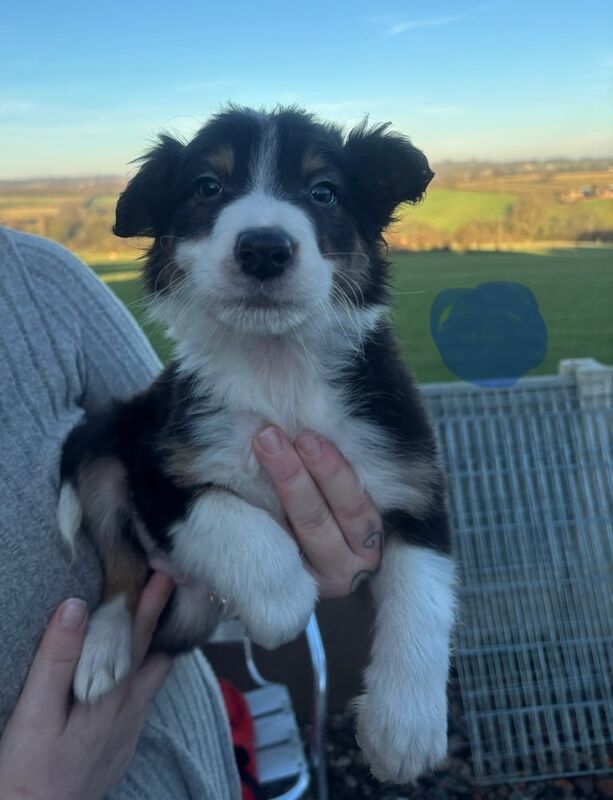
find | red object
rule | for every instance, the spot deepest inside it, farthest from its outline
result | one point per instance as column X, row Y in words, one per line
column 243, row 738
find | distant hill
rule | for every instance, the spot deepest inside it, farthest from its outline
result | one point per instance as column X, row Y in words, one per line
column 469, row 206
column 506, row 206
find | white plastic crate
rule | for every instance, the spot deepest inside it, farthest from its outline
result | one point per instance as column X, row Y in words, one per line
column 531, row 497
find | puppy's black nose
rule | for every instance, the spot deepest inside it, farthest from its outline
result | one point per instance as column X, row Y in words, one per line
column 264, row 253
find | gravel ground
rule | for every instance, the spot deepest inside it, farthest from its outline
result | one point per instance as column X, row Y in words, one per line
column 349, row 777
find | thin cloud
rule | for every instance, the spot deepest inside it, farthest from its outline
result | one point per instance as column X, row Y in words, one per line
column 436, row 22
column 431, row 22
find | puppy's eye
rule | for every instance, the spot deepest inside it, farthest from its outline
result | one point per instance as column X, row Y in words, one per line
column 324, row 193
column 207, row 187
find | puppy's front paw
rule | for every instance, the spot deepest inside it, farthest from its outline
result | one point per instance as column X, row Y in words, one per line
column 280, row 611
column 246, row 557
column 401, row 733
column 105, row 658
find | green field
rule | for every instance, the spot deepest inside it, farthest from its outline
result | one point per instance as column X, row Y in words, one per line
column 574, row 289
column 448, row 209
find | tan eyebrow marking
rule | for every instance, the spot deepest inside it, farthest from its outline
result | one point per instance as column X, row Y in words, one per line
column 222, row 159
column 312, row 163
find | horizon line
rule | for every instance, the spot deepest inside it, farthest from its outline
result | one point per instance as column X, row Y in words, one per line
column 116, row 176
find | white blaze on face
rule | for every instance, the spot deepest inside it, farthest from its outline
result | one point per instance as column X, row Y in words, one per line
column 263, row 169
column 216, row 278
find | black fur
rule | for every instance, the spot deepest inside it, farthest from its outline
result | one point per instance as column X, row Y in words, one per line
column 382, row 390
column 135, row 433
column 386, row 167
column 144, row 208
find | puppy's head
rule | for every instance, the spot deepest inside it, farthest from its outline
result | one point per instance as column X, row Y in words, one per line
column 267, row 220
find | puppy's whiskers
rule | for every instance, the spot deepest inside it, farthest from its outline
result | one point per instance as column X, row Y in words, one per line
column 352, row 337
column 356, row 290
column 349, row 253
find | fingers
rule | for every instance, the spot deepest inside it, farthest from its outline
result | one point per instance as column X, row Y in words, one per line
column 321, row 493
column 47, row 690
column 148, row 680
column 151, row 604
column 336, row 525
column 352, row 508
column 312, row 522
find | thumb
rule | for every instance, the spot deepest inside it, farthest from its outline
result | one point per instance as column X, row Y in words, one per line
column 46, row 693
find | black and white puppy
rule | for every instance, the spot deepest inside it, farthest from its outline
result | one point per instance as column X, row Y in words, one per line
column 268, row 267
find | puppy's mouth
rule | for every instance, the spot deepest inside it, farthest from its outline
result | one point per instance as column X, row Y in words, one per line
column 266, row 302
column 261, row 313
column 262, row 296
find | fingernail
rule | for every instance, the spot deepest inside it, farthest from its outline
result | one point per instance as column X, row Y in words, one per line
column 72, row 613
column 309, row 445
column 270, row 441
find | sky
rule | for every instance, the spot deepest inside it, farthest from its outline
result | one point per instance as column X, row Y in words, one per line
column 85, row 87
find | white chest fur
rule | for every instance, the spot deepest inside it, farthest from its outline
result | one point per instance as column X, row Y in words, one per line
column 287, row 388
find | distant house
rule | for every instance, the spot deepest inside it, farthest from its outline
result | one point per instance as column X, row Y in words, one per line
column 586, row 192
column 573, row 196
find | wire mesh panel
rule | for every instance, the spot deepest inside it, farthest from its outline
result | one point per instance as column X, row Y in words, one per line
column 531, row 498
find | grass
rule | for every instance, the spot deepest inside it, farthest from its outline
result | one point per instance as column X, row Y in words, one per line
column 573, row 288
column 592, row 213
column 448, row 209
column 131, row 294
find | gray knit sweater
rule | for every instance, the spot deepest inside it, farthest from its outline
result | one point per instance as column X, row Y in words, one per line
column 66, row 347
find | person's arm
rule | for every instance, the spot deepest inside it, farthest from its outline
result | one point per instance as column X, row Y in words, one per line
column 54, row 747
column 55, row 338
column 116, row 358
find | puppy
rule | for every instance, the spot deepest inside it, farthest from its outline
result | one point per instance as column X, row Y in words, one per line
column 268, row 267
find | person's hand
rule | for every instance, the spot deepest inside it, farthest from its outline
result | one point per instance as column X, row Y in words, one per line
column 53, row 747
column 332, row 518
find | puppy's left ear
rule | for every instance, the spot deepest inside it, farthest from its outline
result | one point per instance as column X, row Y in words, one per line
column 385, row 170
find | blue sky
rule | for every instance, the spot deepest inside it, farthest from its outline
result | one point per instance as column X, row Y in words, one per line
column 85, row 87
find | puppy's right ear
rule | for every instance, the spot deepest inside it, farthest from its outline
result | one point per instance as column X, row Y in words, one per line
column 144, row 206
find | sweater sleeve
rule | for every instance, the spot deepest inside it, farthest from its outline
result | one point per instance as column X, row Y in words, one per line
column 116, row 359
column 67, row 347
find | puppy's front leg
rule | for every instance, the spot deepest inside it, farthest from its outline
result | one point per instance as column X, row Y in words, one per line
column 402, row 717
column 106, row 655
column 247, row 557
